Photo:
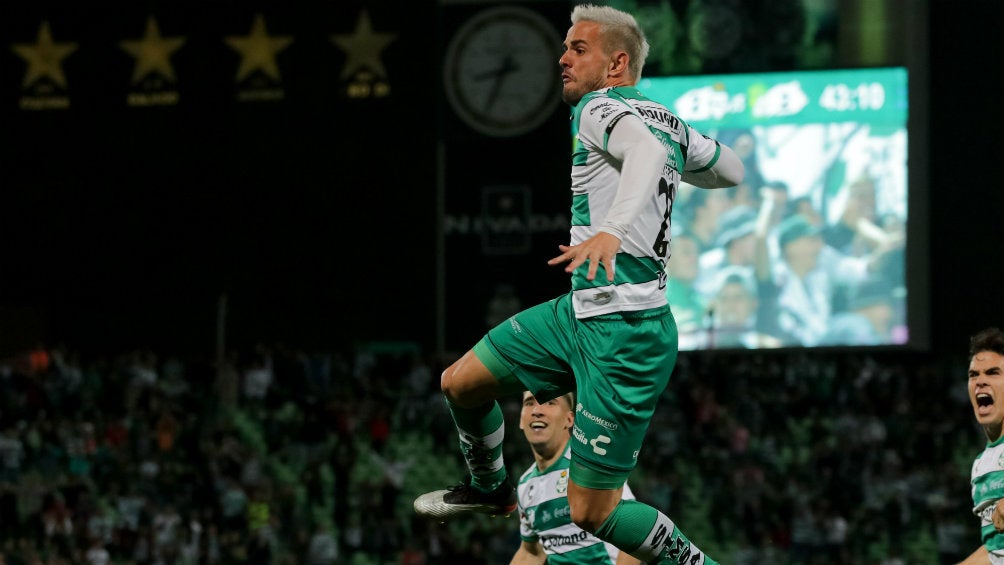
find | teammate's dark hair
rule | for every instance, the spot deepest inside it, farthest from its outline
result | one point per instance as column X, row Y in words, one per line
column 990, row 339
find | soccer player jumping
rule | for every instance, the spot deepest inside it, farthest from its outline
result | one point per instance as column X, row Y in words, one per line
column 612, row 339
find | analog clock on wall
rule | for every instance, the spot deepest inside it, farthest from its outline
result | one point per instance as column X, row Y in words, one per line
column 501, row 72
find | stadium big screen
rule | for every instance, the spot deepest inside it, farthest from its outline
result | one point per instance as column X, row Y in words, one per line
column 810, row 251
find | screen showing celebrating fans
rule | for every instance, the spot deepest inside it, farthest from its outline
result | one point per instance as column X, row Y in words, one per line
column 809, row 251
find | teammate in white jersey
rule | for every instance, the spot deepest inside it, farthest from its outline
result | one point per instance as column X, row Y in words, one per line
column 545, row 523
column 986, row 394
column 613, row 338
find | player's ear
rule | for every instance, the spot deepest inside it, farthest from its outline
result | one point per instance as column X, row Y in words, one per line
column 618, row 64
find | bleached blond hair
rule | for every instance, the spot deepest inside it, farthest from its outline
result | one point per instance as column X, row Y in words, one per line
column 620, row 32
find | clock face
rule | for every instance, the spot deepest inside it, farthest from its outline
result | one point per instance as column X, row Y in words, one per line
column 501, row 71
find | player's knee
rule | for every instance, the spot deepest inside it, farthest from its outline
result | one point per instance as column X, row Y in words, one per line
column 448, row 385
column 467, row 383
column 458, row 390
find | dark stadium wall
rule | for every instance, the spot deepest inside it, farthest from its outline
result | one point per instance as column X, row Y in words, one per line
column 965, row 197
column 308, row 196
column 294, row 178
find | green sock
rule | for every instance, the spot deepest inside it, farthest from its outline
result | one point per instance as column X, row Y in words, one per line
column 481, row 431
column 649, row 535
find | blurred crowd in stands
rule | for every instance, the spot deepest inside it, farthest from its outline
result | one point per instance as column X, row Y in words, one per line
column 280, row 456
column 765, row 268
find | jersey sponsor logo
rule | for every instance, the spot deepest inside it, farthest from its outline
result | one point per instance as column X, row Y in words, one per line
column 679, row 550
column 596, row 442
column 660, row 116
column 660, row 537
column 672, row 166
column 606, row 109
column 579, row 436
column 552, row 542
column 987, row 515
column 563, row 513
column 602, row 297
column 594, row 418
column 516, row 328
column 985, row 488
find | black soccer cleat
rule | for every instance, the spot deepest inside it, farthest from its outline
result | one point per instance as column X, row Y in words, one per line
column 462, row 499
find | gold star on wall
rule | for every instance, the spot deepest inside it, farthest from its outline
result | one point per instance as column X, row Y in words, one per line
column 258, row 50
column 44, row 58
column 153, row 52
column 363, row 48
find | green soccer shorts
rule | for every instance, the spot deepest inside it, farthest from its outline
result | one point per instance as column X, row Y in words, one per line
column 617, row 364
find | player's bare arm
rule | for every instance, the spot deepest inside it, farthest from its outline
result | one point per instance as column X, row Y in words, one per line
column 624, row 559
column 979, row 557
column 530, row 553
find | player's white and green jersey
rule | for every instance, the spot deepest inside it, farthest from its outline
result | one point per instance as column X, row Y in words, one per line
column 639, row 282
column 988, row 487
column 542, row 499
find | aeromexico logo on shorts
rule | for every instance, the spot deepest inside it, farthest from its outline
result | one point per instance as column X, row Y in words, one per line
column 596, row 419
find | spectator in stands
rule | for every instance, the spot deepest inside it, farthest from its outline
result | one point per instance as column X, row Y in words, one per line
column 832, row 412
column 735, row 247
column 688, row 305
column 809, row 278
column 700, row 211
column 12, row 454
column 870, row 318
column 258, row 378
column 740, row 319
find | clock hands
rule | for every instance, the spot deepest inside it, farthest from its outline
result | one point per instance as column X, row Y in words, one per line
column 499, row 71
column 507, row 67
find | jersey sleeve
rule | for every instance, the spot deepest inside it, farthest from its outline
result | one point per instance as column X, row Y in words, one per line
column 597, row 118
column 526, row 533
column 702, row 151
